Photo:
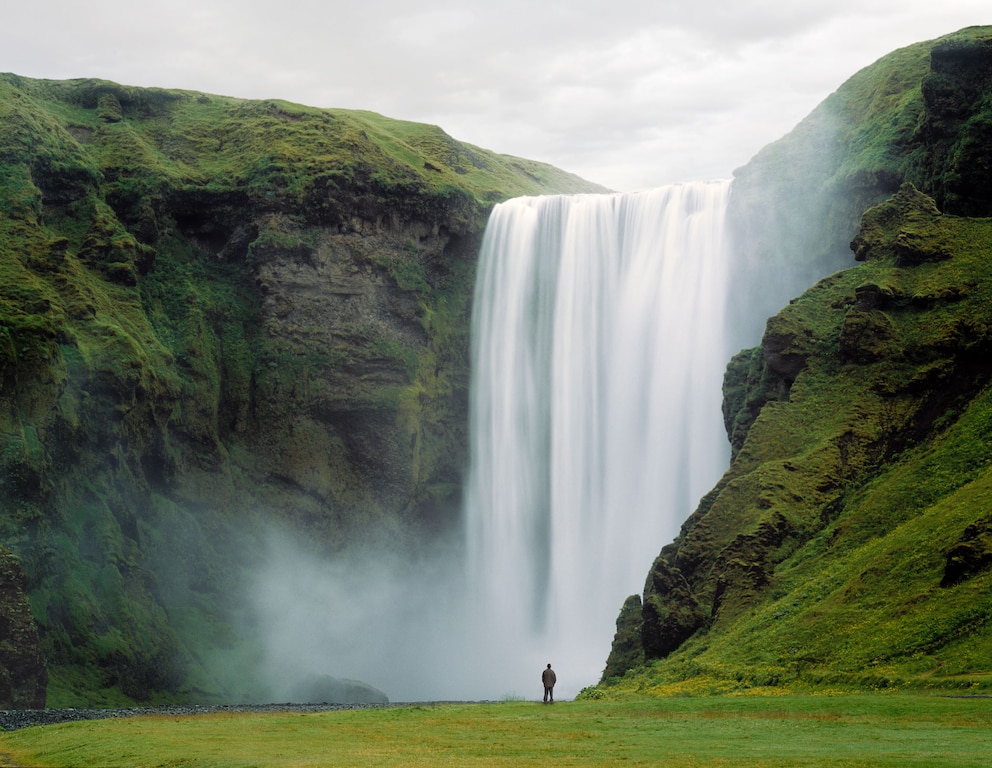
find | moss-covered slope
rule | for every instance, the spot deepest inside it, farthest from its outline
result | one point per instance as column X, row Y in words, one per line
column 216, row 314
column 920, row 114
column 849, row 542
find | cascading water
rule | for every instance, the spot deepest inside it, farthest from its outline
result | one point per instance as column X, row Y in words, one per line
column 598, row 355
column 599, row 345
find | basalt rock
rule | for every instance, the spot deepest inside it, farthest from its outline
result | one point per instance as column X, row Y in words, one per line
column 956, row 128
column 324, row 689
column 23, row 675
column 627, row 651
column 970, row 555
column 670, row 613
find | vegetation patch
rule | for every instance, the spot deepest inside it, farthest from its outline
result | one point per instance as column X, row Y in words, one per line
column 878, row 730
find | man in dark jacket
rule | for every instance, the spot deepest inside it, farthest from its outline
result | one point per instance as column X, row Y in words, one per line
column 549, row 679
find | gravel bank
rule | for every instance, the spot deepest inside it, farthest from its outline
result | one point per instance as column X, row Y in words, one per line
column 12, row 719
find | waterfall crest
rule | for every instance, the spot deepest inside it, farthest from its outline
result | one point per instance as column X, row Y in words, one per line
column 598, row 353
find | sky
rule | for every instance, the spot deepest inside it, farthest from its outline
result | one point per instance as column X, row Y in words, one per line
column 631, row 94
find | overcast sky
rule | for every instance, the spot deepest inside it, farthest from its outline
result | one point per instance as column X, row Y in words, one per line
column 627, row 93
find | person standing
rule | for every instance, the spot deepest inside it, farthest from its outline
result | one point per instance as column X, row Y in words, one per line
column 549, row 680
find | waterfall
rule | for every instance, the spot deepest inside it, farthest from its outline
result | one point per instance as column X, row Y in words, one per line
column 598, row 354
column 599, row 344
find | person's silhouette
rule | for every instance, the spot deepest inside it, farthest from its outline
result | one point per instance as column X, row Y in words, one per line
column 549, row 679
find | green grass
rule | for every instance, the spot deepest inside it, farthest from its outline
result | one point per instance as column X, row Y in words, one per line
column 865, row 730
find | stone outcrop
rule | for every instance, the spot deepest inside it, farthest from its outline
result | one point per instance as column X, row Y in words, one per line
column 670, row 613
column 627, row 651
column 970, row 555
column 23, row 675
column 324, row 689
column 956, row 136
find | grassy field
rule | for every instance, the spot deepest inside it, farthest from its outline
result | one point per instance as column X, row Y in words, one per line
column 843, row 730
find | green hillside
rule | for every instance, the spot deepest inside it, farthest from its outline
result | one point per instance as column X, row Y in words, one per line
column 217, row 315
column 849, row 545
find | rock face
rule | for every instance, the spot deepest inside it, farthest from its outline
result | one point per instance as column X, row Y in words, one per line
column 670, row 614
column 23, row 676
column 956, row 132
column 848, row 542
column 218, row 318
column 627, row 651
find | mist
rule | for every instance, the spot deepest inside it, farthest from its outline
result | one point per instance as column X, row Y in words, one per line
column 596, row 426
column 406, row 625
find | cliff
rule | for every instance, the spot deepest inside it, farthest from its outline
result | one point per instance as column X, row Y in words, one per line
column 848, row 543
column 23, row 676
column 218, row 316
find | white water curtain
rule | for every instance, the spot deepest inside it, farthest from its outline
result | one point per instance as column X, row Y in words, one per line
column 598, row 356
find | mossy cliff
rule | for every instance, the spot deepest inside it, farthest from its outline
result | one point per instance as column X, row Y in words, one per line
column 23, row 676
column 216, row 315
column 850, row 541
column 919, row 114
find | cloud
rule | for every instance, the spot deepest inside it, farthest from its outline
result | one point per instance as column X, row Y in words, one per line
column 633, row 93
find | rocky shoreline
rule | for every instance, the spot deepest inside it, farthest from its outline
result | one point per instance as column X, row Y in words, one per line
column 14, row 719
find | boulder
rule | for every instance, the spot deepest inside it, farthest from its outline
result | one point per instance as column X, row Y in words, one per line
column 324, row 689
